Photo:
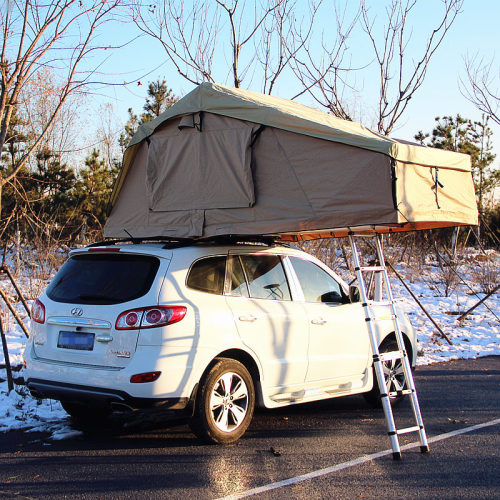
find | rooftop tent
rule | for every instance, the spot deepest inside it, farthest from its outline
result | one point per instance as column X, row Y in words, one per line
column 228, row 161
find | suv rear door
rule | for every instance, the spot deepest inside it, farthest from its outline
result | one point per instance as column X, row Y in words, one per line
column 268, row 322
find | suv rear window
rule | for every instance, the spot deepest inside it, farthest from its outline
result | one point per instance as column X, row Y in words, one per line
column 103, row 278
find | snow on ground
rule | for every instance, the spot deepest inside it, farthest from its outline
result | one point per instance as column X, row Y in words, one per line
column 477, row 335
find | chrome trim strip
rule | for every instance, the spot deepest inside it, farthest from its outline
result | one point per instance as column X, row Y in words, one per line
column 77, row 365
column 79, row 322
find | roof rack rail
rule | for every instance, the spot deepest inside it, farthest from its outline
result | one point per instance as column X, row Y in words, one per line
column 235, row 239
column 227, row 239
column 159, row 239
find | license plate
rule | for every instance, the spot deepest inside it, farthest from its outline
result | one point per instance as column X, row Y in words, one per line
column 76, row 340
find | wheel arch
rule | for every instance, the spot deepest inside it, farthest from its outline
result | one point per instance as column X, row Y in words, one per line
column 408, row 345
column 247, row 361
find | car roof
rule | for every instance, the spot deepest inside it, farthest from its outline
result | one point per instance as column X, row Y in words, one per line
column 202, row 248
column 190, row 252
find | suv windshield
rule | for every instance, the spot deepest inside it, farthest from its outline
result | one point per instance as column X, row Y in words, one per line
column 103, row 278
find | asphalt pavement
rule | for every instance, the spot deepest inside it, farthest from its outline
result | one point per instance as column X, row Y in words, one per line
column 330, row 449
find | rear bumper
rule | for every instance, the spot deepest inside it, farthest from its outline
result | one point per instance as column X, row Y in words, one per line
column 98, row 396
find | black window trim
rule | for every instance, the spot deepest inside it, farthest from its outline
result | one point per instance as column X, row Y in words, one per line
column 204, row 257
column 229, row 271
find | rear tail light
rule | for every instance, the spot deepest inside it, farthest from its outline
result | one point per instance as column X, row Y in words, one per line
column 150, row 317
column 141, row 378
column 38, row 312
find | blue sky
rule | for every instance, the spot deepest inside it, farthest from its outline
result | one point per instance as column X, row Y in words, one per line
column 474, row 31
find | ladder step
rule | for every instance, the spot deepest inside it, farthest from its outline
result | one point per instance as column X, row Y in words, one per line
column 400, row 393
column 370, row 268
column 390, row 356
column 378, row 303
column 382, row 318
column 407, row 430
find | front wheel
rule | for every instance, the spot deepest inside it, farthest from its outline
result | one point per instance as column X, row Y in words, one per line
column 393, row 374
column 225, row 403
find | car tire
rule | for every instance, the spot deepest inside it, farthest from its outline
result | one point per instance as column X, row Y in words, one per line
column 84, row 414
column 392, row 368
column 224, row 404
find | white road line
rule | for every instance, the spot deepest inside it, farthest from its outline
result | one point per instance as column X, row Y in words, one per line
column 352, row 463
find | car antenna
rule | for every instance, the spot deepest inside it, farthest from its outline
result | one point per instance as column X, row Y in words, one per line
column 134, row 240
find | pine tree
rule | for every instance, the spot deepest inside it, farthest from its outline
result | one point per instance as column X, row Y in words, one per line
column 130, row 129
column 159, row 99
column 93, row 189
column 52, row 181
column 486, row 177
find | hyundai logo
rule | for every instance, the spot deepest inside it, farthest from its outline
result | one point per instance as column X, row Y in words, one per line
column 76, row 311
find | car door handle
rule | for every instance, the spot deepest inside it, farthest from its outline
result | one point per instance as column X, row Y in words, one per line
column 318, row 321
column 249, row 317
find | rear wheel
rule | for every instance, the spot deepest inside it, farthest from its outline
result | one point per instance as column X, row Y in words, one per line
column 393, row 375
column 225, row 403
column 85, row 414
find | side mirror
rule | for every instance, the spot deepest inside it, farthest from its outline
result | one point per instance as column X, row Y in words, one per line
column 332, row 298
column 354, row 294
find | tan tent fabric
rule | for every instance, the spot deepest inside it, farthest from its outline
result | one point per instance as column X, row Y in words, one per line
column 225, row 161
column 295, row 117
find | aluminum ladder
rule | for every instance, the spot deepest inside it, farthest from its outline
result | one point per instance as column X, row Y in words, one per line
column 379, row 358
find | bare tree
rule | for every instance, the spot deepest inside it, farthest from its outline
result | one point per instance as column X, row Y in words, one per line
column 328, row 74
column 37, row 108
column 247, row 36
column 188, row 35
column 322, row 72
column 265, row 40
column 481, row 86
column 57, row 34
column 109, row 133
column 399, row 79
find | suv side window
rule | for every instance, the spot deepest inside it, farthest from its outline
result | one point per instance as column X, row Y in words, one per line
column 266, row 277
column 207, row 275
column 317, row 285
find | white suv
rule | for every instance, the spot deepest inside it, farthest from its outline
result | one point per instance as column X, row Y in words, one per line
column 208, row 330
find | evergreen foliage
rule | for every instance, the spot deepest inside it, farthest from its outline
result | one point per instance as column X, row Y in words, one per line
column 92, row 191
column 159, row 99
